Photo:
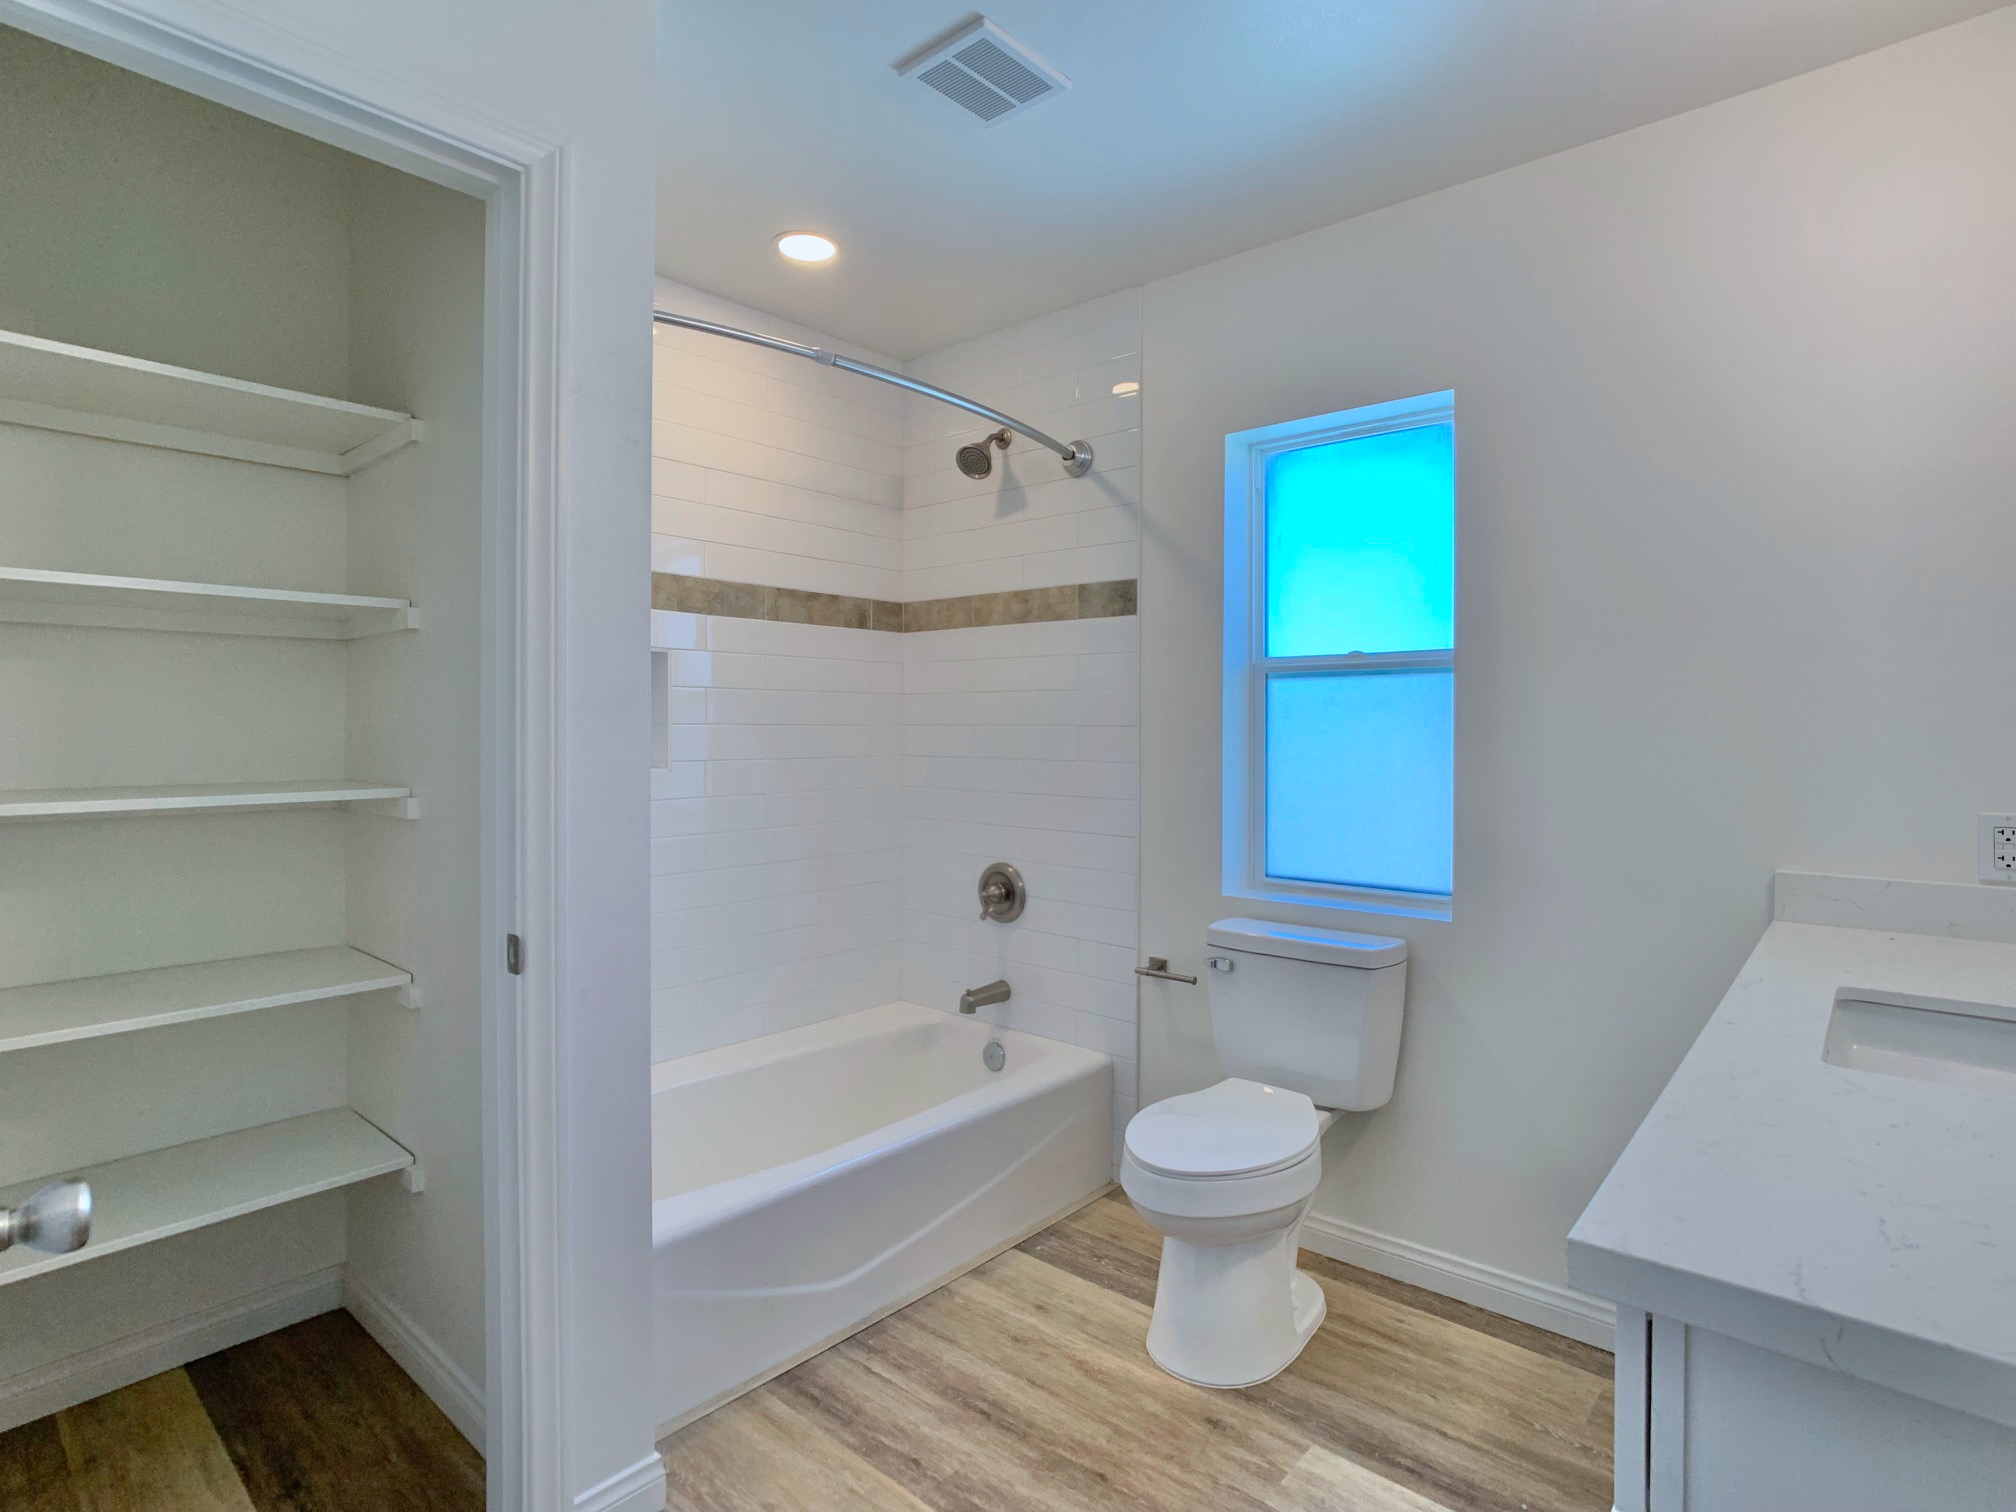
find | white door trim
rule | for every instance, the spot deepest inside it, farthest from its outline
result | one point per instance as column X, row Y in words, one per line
column 266, row 71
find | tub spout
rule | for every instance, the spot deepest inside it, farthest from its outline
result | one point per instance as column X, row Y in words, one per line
column 980, row 997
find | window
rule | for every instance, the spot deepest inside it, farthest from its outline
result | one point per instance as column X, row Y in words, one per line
column 1340, row 650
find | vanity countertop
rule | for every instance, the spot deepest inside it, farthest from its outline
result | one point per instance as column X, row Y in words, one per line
column 1851, row 1218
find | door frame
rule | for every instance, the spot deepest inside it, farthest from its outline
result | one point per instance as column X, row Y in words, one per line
column 523, row 182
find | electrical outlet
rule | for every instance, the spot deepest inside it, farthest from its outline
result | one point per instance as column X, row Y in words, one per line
column 1998, row 848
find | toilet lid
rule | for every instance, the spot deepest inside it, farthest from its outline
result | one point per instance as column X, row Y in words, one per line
column 1237, row 1128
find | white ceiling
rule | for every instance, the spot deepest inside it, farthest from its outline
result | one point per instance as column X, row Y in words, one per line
column 1194, row 129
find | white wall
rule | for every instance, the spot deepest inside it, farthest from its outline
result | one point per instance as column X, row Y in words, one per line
column 413, row 710
column 578, row 77
column 775, row 857
column 99, row 706
column 171, row 257
column 1732, row 400
column 111, row 238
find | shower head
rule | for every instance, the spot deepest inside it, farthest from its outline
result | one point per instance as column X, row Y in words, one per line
column 975, row 460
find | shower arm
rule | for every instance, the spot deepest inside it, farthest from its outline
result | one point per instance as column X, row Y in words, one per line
column 1077, row 455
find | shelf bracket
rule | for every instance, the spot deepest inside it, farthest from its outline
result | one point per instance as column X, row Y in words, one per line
column 390, row 808
column 382, row 445
column 369, row 622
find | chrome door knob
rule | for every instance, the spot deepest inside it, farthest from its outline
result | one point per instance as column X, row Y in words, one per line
column 56, row 1219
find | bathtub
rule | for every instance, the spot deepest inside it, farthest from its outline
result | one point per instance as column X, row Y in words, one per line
column 809, row 1182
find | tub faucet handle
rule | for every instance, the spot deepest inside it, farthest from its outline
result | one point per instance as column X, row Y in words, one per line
column 974, row 998
column 1002, row 893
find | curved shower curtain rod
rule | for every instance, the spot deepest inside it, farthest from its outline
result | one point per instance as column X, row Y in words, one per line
column 1077, row 455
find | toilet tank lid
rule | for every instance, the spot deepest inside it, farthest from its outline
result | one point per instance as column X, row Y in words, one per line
column 1303, row 942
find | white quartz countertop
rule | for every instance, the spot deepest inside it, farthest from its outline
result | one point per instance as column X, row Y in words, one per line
column 1856, row 1219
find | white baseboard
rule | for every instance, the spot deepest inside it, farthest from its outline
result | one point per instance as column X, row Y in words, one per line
column 1544, row 1304
column 108, row 1367
column 419, row 1356
column 641, row 1488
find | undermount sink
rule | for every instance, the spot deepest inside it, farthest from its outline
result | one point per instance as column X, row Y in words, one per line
column 1928, row 1039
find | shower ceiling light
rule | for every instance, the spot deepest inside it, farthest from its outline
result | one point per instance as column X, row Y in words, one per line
column 806, row 246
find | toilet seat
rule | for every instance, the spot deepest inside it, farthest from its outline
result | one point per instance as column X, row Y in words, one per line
column 1237, row 1128
column 1236, row 1150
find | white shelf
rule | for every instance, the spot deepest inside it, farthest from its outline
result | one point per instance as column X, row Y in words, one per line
column 78, row 803
column 54, row 1013
column 43, row 596
column 55, row 386
column 154, row 1196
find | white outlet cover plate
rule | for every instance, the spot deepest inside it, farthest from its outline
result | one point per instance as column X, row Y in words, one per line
column 1998, row 848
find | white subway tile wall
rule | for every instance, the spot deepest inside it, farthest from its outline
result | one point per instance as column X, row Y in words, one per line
column 766, row 468
column 1021, row 742
column 776, row 860
column 1020, row 745
column 831, row 795
column 1029, row 526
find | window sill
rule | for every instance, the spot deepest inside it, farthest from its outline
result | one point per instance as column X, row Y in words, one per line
column 1392, row 905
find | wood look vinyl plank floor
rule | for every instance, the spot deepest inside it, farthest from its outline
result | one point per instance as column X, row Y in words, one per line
column 1025, row 1386
column 1021, row 1387
column 318, row 1416
column 313, row 1418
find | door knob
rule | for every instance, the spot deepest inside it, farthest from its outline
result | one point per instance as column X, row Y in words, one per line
column 56, row 1219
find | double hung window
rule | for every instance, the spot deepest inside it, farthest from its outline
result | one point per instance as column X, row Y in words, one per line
column 1340, row 633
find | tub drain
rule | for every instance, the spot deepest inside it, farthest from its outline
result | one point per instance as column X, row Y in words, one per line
column 994, row 1057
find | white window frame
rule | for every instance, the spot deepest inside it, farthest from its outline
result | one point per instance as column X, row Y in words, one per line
column 1247, row 670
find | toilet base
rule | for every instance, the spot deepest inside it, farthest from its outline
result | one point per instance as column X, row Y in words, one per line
column 1235, row 1315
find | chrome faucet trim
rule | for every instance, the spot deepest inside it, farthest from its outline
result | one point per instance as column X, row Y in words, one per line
column 980, row 997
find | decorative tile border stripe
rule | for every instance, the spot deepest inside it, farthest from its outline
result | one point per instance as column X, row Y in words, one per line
column 700, row 595
column 1017, row 606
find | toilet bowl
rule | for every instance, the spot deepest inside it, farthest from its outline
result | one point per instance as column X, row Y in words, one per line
column 1307, row 1022
column 1226, row 1176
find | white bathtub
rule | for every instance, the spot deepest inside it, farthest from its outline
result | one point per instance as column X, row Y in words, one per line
column 810, row 1182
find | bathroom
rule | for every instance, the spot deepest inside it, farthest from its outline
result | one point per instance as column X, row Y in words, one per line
column 1244, row 757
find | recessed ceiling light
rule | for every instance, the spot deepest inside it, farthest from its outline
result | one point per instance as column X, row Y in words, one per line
column 1124, row 389
column 806, row 246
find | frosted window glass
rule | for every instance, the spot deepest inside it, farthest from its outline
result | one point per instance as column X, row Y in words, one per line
column 1361, row 545
column 1360, row 769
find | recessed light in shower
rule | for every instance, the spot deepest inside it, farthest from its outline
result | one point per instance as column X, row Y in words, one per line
column 806, row 246
column 1122, row 390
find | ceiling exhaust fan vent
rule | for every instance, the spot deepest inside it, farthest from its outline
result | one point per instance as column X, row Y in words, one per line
column 984, row 71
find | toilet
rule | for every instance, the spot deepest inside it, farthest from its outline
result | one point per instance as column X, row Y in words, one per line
column 1307, row 1025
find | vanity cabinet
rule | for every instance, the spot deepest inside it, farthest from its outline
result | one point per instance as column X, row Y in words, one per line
column 1709, row 1423
column 1810, row 1239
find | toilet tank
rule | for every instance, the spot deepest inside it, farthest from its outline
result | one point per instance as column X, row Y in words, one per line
column 1314, row 1010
